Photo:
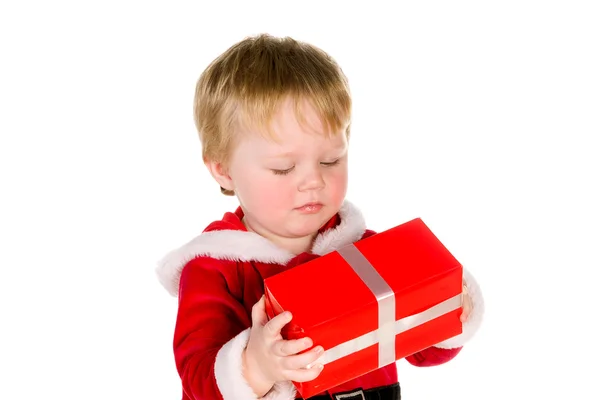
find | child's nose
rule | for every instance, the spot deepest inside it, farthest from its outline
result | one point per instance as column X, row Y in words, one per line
column 312, row 180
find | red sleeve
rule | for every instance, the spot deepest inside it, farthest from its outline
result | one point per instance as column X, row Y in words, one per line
column 212, row 331
column 431, row 356
column 208, row 318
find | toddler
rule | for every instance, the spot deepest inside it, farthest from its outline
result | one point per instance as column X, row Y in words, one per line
column 273, row 116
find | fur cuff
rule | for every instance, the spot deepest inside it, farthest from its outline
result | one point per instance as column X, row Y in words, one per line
column 282, row 391
column 230, row 379
column 471, row 326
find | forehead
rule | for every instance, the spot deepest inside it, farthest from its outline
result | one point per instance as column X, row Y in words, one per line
column 293, row 127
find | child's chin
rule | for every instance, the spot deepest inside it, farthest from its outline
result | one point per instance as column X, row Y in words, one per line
column 307, row 228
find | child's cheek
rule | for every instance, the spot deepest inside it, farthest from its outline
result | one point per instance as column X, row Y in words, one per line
column 338, row 184
column 273, row 191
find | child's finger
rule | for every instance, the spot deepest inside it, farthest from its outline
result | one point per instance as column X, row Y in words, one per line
column 285, row 348
column 467, row 308
column 259, row 314
column 273, row 327
column 302, row 360
column 304, row 374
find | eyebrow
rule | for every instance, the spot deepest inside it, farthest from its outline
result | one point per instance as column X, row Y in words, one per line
column 282, row 155
column 288, row 154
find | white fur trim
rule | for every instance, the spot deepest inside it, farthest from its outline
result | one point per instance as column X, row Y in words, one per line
column 284, row 390
column 230, row 378
column 350, row 229
column 221, row 245
column 472, row 324
column 249, row 246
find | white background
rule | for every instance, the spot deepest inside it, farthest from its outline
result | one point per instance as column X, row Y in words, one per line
column 480, row 117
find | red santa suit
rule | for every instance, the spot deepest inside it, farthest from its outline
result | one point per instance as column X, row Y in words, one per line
column 218, row 277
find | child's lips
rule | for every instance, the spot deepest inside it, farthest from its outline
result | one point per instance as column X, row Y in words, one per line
column 310, row 208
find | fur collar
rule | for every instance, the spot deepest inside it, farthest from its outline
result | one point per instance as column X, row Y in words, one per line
column 248, row 246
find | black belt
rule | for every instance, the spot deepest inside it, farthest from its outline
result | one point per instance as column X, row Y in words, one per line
column 391, row 392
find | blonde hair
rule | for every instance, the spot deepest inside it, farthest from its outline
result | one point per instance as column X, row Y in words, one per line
column 246, row 84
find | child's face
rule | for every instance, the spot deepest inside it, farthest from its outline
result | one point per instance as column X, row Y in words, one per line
column 274, row 180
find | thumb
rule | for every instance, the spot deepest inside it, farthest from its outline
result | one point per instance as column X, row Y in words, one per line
column 259, row 314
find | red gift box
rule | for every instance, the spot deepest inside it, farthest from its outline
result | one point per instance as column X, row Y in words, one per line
column 370, row 303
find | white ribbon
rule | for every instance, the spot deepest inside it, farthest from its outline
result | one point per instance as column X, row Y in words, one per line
column 388, row 328
column 386, row 302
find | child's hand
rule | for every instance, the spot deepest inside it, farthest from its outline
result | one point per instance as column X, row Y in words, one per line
column 467, row 305
column 269, row 358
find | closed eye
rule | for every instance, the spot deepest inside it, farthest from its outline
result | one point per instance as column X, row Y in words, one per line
column 331, row 164
column 282, row 171
column 287, row 171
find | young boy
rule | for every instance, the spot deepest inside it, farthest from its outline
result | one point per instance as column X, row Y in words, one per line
column 274, row 120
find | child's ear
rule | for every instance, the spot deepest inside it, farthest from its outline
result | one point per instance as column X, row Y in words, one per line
column 219, row 172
